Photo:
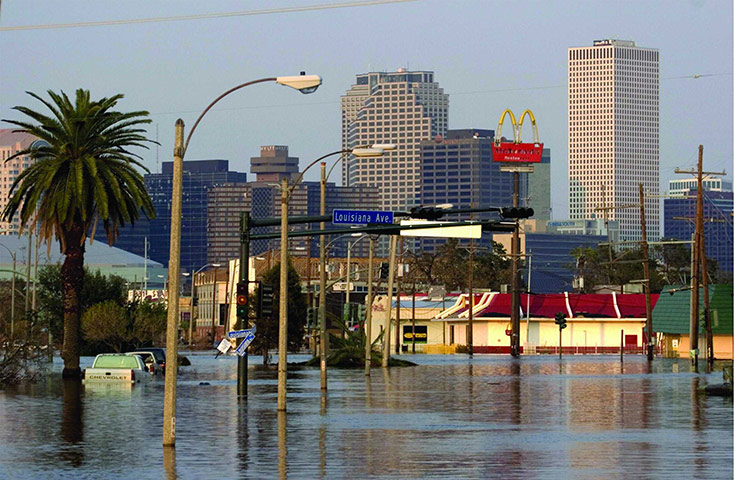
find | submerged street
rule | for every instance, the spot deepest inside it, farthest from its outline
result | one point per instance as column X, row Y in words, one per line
column 489, row 417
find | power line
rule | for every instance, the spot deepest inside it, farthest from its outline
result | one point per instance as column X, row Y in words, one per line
column 204, row 16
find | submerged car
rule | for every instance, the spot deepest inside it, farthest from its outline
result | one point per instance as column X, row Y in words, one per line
column 159, row 354
column 116, row 367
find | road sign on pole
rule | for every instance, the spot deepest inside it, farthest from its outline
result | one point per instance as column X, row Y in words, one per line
column 361, row 217
column 241, row 333
column 242, row 348
column 468, row 231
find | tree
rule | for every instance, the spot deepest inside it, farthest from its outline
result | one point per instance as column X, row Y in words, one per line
column 96, row 288
column 267, row 327
column 108, row 323
column 83, row 172
column 149, row 321
column 492, row 269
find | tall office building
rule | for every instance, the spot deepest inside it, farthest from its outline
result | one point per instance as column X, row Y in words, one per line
column 613, row 133
column 262, row 199
column 402, row 108
column 199, row 177
column 718, row 205
column 12, row 142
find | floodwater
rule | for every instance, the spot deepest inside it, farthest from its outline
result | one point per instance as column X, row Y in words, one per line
column 451, row 417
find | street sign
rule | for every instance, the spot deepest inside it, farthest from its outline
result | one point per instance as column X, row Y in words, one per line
column 241, row 333
column 242, row 348
column 224, row 345
column 468, row 231
column 361, row 217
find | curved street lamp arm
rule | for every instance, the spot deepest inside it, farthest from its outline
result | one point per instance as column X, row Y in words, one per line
column 233, row 89
column 300, row 177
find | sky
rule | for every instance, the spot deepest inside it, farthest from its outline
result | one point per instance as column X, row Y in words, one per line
column 487, row 55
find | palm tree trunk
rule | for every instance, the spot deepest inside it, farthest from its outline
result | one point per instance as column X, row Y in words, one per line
column 72, row 276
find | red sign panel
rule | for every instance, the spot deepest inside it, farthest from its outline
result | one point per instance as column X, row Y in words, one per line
column 509, row 152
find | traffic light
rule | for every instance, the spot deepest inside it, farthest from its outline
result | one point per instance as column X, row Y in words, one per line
column 311, row 318
column 427, row 213
column 516, row 212
column 242, row 301
column 361, row 313
column 384, row 270
column 561, row 320
column 267, row 294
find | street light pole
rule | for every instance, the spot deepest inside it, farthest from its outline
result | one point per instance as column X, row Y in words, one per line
column 283, row 297
column 305, row 84
column 174, row 263
column 368, row 313
column 322, row 283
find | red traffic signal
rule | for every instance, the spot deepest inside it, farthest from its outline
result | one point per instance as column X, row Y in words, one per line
column 242, row 300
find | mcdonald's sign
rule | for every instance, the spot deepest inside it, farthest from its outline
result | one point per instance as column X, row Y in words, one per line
column 516, row 151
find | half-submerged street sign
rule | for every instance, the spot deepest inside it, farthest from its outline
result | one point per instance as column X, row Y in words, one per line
column 361, row 217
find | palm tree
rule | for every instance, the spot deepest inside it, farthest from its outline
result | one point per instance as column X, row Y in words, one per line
column 82, row 173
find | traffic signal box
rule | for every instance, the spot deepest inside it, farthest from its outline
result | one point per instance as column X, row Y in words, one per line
column 561, row 320
column 516, row 212
column 242, row 301
column 428, row 213
column 311, row 318
column 266, row 300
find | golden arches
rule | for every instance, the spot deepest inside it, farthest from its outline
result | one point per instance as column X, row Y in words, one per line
column 498, row 133
column 536, row 138
column 516, row 126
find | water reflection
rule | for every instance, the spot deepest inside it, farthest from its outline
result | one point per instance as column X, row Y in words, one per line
column 169, row 463
column 72, row 427
column 282, row 445
column 447, row 417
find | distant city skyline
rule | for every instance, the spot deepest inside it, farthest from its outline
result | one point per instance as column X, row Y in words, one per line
column 497, row 58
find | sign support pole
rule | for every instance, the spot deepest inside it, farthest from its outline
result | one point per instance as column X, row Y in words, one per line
column 244, row 278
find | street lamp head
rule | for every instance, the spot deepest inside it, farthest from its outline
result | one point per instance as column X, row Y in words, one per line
column 216, row 265
column 368, row 152
column 445, row 206
column 303, row 83
column 385, row 146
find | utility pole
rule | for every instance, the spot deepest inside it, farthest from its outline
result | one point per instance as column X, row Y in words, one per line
column 646, row 282
column 214, row 309
column 322, row 284
column 283, row 298
column 397, row 304
column 515, row 252
column 174, row 277
column 698, row 261
column 12, row 301
column 368, row 312
column 28, row 282
column 390, row 278
column 35, row 275
column 470, row 331
column 412, row 317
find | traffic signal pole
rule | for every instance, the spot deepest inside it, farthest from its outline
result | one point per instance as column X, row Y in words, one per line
column 244, row 279
column 515, row 253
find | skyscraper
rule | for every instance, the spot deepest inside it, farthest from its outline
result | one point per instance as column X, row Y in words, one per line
column 12, row 142
column 402, row 108
column 261, row 198
column 199, row 176
column 718, row 203
column 613, row 133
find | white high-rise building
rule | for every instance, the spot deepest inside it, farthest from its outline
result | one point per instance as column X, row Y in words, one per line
column 402, row 108
column 614, row 134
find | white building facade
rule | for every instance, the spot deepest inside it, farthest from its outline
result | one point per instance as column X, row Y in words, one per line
column 614, row 134
column 402, row 108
